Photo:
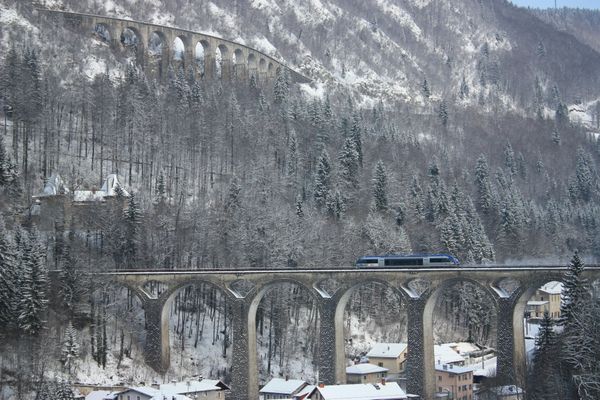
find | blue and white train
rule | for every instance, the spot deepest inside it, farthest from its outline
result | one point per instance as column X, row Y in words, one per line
column 411, row 260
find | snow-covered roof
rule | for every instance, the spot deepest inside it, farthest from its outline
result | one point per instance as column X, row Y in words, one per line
column 444, row 354
column 205, row 385
column 387, row 350
column 108, row 190
column 536, row 303
column 110, row 185
column 170, row 396
column 389, row 391
column 552, row 288
column 464, row 347
column 302, row 394
column 454, row 369
column 283, row 386
column 54, row 186
column 360, row 369
column 489, row 368
column 148, row 391
column 101, row 395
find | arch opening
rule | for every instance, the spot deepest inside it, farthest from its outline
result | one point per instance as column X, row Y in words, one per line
column 200, row 52
column 130, row 37
column 287, row 322
column 178, row 49
column 200, row 323
column 252, row 66
column 157, row 44
column 374, row 322
column 262, row 65
column 460, row 337
column 103, row 32
column 116, row 323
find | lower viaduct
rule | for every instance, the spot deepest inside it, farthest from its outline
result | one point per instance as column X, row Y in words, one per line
column 156, row 47
column 418, row 289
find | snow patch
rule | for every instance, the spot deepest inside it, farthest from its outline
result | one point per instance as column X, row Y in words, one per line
column 12, row 17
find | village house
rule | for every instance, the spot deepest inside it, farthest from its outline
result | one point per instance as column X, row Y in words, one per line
column 389, row 355
column 454, row 382
column 546, row 299
column 208, row 389
column 365, row 373
column 101, row 395
column 377, row 391
column 279, row 388
column 138, row 393
column 447, row 354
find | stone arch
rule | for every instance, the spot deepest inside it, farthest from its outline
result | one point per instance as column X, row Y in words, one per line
column 271, row 70
column 104, row 32
column 255, row 300
column 238, row 63
column 433, row 296
column 342, row 298
column 131, row 37
column 179, row 49
column 223, row 61
column 162, row 307
column 252, row 63
column 262, row 65
column 158, row 45
column 202, row 56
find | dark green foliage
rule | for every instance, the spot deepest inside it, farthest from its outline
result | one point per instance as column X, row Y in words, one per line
column 380, row 180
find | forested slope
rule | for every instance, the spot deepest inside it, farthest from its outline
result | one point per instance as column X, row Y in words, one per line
column 450, row 133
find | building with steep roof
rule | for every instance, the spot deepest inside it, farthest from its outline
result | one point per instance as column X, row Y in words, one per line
column 365, row 373
column 389, row 355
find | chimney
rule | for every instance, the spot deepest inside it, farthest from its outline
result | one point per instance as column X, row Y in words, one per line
column 286, row 378
column 383, row 381
column 321, row 385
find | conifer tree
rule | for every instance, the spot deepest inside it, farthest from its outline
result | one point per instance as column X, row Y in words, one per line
column 425, row 89
column 70, row 347
column 380, row 201
column 484, row 187
column 443, row 113
column 322, row 180
column 131, row 219
column 348, row 159
column 575, row 292
column 32, row 286
column 8, row 278
column 356, row 135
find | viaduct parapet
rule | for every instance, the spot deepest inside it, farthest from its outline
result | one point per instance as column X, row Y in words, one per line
column 419, row 290
column 210, row 57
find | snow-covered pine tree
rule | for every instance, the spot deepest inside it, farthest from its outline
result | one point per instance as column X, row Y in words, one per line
column 336, row 205
column 131, row 220
column 425, row 89
column 543, row 379
column 322, row 188
column 380, row 200
column 62, row 391
column 348, row 159
column 443, row 113
column 33, row 284
column 575, row 292
column 8, row 278
column 356, row 135
column 70, row 347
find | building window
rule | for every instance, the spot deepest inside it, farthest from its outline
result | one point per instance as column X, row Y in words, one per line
column 439, row 377
column 380, row 364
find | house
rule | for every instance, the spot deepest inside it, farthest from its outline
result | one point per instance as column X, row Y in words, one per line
column 389, row 355
column 447, row 354
column 208, row 389
column 508, row 392
column 546, row 298
column 454, row 382
column 377, row 391
column 279, row 388
column 365, row 373
column 101, row 395
column 138, row 393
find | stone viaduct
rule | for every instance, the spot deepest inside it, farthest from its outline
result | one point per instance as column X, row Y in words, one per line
column 156, row 47
column 418, row 289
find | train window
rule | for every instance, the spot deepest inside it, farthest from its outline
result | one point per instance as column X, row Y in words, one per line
column 438, row 259
column 403, row 261
column 368, row 261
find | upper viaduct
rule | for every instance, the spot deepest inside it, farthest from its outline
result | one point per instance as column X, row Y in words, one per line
column 418, row 289
column 210, row 57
